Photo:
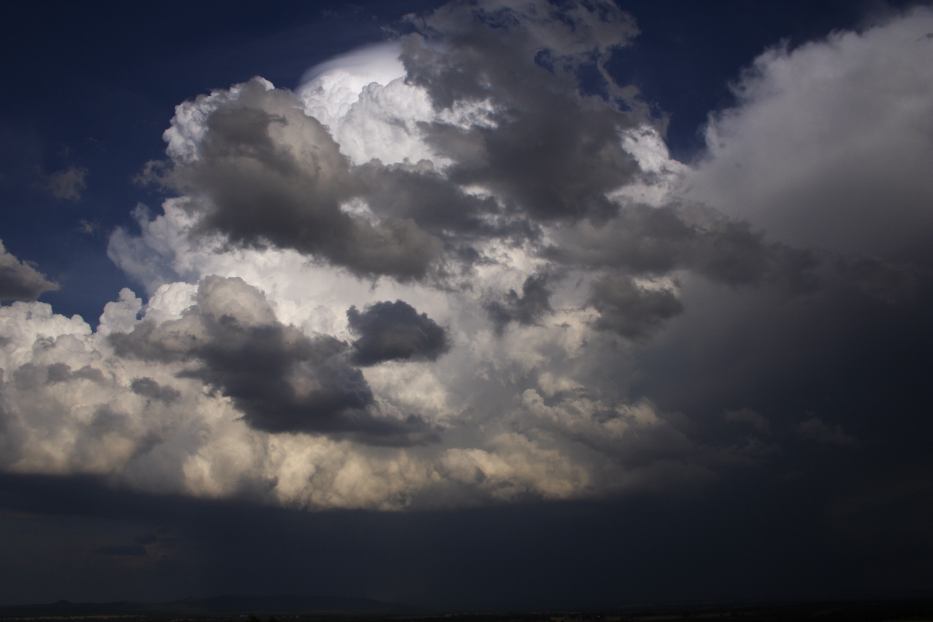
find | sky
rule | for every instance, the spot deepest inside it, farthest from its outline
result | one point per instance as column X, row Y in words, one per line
column 507, row 304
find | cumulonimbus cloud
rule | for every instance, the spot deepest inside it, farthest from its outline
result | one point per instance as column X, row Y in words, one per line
column 542, row 304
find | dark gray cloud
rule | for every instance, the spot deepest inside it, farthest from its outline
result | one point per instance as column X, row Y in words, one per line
column 526, row 308
column 31, row 375
column 640, row 239
column 426, row 196
column 559, row 38
column 147, row 387
column 840, row 363
column 548, row 150
column 265, row 173
column 282, row 380
column 658, row 240
column 19, row 280
column 822, row 366
column 60, row 372
column 268, row 173
column 631, row 310
column 395, row 331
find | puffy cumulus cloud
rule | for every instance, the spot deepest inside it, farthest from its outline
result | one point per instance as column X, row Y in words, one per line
column 375, row 113
column 364, row 101
column 200, row 391
column 70, row 405
column 258, row 170
column 243, row 374
column 482, row 165
column 828, row 144
column 205, row 400
column 282, row 380
column 120, row 315
column 57, row 404
column 492, row 152
column 205, row 390
column 330, row 89
column 19, row 280
column 395, row 331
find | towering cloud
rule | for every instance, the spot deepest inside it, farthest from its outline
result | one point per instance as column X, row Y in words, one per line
column 461, row 267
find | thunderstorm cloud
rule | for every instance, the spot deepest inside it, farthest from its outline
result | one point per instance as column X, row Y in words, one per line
column 460, row 267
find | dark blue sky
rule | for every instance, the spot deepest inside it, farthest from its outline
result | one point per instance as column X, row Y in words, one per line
column 95, row 87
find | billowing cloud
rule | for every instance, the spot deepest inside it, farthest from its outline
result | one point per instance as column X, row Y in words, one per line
column 630, row 309
column 841, row 197
column 226, row 387
column 282, row 380
column 19, row 280
column 786, row 160
column 395, row 331
column 653, row 241
column 395, row 168
column 542, row 146
column 526, row 308
column 264, row 172
column 449, row 270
